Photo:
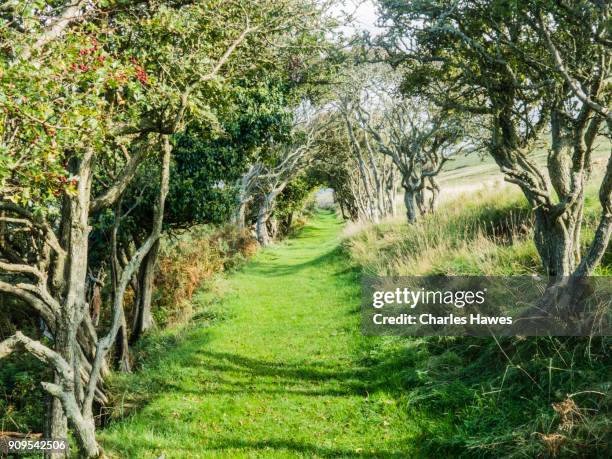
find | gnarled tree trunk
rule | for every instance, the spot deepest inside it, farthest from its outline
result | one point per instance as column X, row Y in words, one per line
column 557, row 240
column 75, row 234
column 263, row 237
column 411, row 206
column 143, row 317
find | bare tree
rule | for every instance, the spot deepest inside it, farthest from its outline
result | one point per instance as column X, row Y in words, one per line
column 417, row 137
column 419, row 141
column 291, row 159
column 371, row 187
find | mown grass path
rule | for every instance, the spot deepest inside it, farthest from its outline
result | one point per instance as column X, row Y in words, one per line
column 279, row 377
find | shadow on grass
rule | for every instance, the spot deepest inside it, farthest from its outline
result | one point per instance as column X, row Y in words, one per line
column 265, row 268
column 308, row 449
column 223, row 443
column 258, row 376
column 168, row 363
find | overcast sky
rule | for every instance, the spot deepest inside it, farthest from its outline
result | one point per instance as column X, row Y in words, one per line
column 362, row 12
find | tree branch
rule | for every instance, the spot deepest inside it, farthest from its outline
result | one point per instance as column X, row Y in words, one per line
column 56, row 26
column 45, row 309
column 38, row 350
column 111, row 195
column 106, row 342
column 572, row 83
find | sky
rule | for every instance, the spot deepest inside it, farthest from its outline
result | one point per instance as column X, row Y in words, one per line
column 363, row 13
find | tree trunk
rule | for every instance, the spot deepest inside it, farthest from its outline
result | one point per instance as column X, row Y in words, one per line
column 122, row 348
column 75, row 224
column 420, row 201
column 240, row 215
column 409, row 201
column 56, row 424
column 272, row 227
column 342, row 209
column 86, row 438
column 263, row 216
column 555, row 240
column 435, row 193
column 557, row 227
column 245, row 185
column 84, row 424
column 263, row 237
column 143, row 317
column 390, row 194
column 601, row 240
column 88, row 338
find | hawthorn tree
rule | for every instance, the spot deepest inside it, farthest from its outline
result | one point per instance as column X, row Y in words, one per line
column 417, row 136
column 333, row 166
column 580, row 52
column 374, row 180
column 525, row 66
column 89, row 91
column 207, row 159
column 293, row 201
column 277, row 171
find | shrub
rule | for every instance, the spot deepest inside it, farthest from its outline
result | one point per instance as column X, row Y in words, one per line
column 188, row 262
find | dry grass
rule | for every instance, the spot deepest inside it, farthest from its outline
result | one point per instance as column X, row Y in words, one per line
column 186, row 264
column 510, row 397
column 482, row 233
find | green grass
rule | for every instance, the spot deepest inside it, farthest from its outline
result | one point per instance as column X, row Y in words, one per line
column 280, row 372
column 274, row 364
column 479, row 397
column 485, row 233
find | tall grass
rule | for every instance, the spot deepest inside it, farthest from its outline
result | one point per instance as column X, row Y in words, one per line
column 475, row 234
column 505, row 397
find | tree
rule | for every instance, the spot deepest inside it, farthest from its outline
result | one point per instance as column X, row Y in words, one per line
column 581, row 34
column 375, row 181
column 334, row 166
column 206, row 161
column 415, row 134
column 292, row 201
column 494, row 59
column 86, row 99
column 276, row 173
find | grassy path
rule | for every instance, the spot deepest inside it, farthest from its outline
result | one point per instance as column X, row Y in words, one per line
column 280, row 377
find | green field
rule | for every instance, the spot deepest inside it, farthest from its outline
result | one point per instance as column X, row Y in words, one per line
column 475, row 169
